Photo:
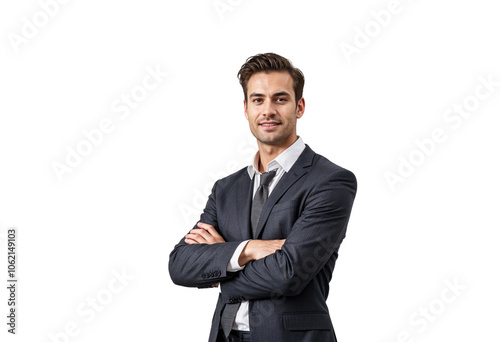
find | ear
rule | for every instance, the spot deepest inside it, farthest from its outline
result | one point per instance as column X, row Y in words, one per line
column 246, row 108
column 301, row 107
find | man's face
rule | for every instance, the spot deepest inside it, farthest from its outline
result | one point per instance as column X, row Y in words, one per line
column 271, row 110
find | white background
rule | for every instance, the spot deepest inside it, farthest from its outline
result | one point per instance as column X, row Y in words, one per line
column 132, row 198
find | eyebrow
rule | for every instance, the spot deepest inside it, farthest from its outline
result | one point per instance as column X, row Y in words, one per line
column 281, row 93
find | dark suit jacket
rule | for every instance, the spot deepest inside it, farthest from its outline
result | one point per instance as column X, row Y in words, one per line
column 309, row 207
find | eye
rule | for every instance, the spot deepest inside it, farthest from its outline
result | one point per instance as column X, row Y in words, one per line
column 281, row 100
column 257, row 100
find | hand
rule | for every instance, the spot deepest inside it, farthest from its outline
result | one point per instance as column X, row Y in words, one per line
column 205, row 234
column 258, row 249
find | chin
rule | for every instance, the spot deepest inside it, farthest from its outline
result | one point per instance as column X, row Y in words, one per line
column 271, row 140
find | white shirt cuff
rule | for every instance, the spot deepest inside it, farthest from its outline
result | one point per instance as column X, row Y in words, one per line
column 233, row 265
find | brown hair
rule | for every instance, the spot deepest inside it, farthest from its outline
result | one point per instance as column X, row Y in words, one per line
column 268, row 62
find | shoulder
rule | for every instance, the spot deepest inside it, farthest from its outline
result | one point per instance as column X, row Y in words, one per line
column 324, row 170
column 232, row 179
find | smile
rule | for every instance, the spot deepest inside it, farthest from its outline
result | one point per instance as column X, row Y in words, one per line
column 269, row 124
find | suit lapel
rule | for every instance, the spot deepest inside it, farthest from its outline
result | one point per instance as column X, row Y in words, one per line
column 298, row 169
column 244, row 190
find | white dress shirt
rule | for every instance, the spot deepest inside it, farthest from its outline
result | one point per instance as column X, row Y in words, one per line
column 282, row 164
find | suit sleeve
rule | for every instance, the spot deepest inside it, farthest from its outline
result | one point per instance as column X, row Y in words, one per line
column 202, row 265
column 315, row 237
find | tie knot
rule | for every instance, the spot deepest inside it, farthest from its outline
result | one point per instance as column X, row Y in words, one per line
column 267, row 177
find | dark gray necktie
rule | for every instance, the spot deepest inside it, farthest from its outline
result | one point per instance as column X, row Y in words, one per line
column 260, row 198
column 230, row 310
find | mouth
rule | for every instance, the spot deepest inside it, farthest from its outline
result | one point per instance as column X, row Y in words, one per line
column 269, row 124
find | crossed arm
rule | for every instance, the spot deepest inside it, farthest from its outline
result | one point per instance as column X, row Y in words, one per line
column 254, row 249
column 202, row 257
column 271, row 266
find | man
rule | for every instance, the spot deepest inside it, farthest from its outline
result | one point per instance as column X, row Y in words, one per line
column 270, row 233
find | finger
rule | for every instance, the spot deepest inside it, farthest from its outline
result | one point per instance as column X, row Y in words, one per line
column 204, row 234
column 191, row 241
column 205, row 226
column 196, row 237
column 213, row 235
column 210, row 229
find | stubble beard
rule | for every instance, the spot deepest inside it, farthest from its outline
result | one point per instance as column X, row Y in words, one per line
column 274, row 138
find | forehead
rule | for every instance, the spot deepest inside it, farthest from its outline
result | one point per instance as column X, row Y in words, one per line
column 263, row 82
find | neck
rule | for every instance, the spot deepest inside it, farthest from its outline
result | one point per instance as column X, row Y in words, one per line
column 270, row 152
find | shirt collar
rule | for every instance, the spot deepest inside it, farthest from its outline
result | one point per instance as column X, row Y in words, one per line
column 285, row 159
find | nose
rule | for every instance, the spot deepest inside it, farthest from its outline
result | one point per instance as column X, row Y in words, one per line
column 268, row 109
